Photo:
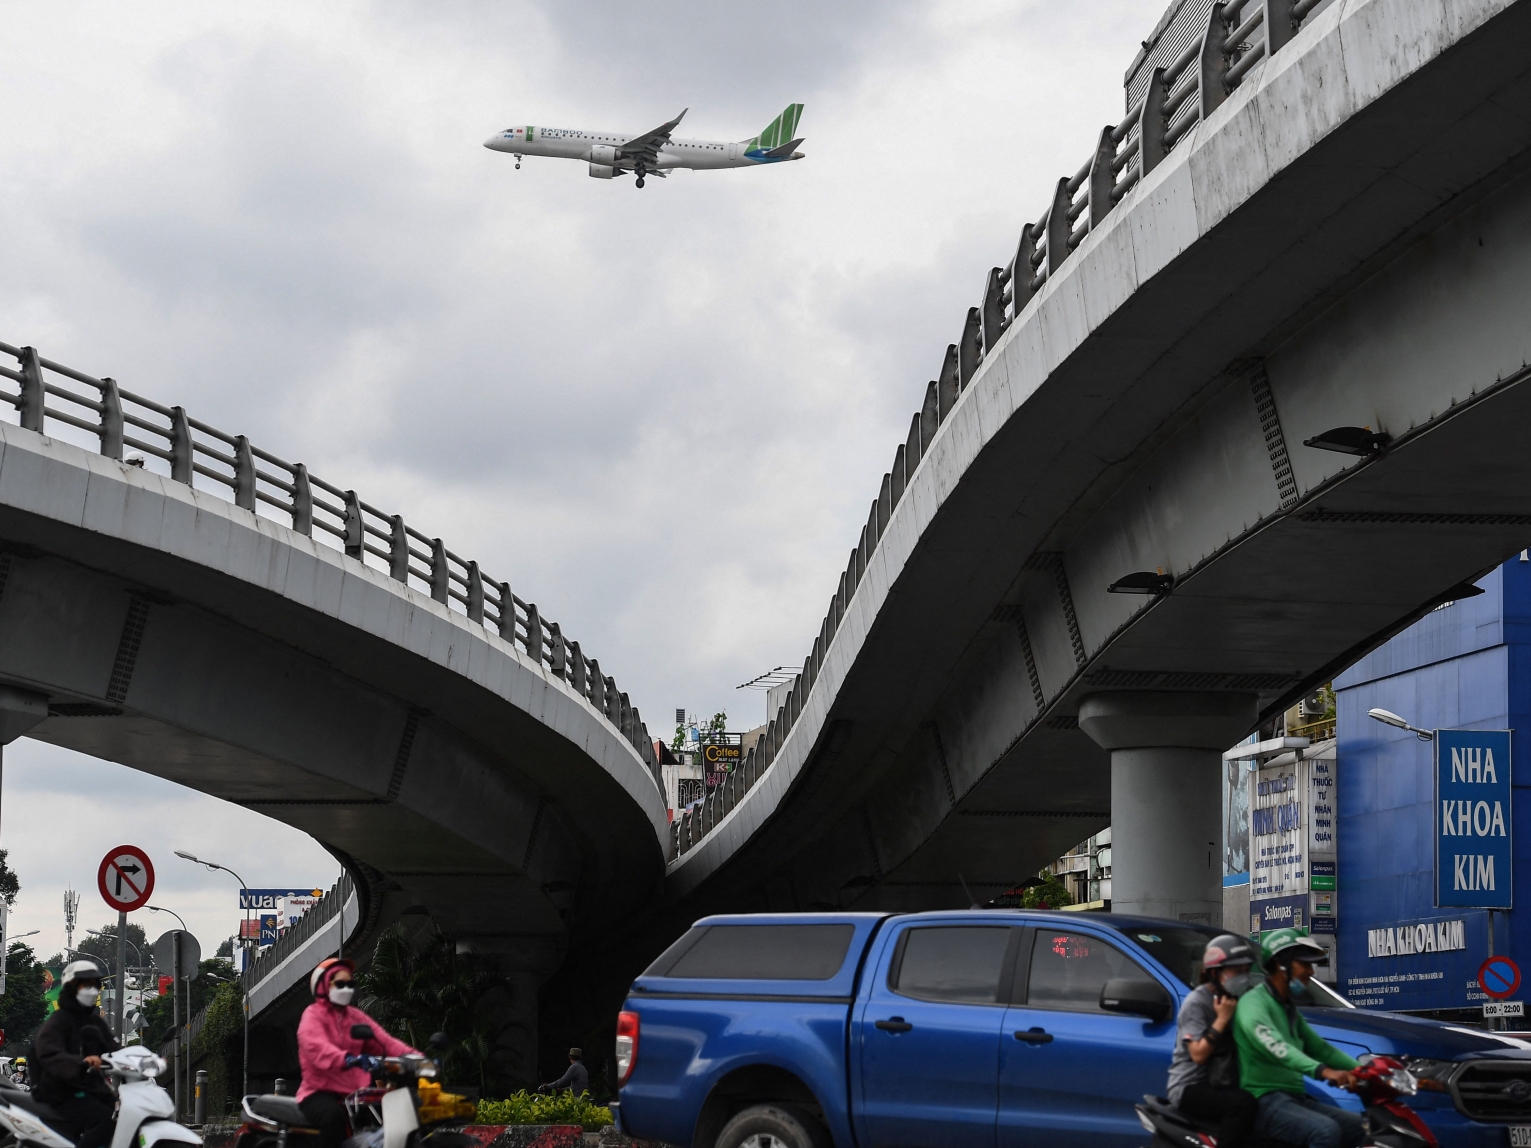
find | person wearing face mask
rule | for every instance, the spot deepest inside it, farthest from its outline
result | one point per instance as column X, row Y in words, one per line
column 333, row 1062
column 66, row 1052
column 1278, row 1049
column 1204, row 1072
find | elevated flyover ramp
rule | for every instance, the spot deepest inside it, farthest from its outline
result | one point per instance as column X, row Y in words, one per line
column 1247, row 399
column 221, row 618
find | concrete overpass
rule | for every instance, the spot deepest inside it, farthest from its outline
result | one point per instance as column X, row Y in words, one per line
column 1245, row 400
column 222, row 618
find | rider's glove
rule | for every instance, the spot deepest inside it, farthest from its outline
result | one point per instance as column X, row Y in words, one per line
column 362, row 1060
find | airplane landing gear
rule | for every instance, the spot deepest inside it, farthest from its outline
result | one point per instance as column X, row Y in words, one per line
column 640, row 171
column 518, row 163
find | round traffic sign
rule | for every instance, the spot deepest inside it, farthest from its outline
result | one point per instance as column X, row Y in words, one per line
column 1499, row 977
column 126, row 878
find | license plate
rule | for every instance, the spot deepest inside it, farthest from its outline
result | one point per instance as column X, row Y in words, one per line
column 1520, row 1136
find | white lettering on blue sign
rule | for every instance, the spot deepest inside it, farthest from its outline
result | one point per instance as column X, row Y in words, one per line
column 1406, row 940
column 1472, row 791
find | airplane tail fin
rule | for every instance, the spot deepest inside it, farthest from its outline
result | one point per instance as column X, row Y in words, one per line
column 779, row 131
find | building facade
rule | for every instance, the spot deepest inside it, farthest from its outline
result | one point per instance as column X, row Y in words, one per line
column 1465, row 665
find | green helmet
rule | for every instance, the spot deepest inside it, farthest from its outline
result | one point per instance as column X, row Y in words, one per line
column 1288, row 943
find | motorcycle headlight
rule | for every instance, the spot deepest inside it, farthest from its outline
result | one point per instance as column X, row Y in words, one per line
column 1432, row 1075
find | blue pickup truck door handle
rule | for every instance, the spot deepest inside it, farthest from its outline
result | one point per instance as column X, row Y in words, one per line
column 898, row 1024
column 1034, row 1036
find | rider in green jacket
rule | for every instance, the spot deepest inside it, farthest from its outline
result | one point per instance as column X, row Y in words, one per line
column 1277, row 1050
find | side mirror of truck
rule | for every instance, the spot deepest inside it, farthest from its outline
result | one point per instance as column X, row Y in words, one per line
column 362, row 1032
column 1135, row 997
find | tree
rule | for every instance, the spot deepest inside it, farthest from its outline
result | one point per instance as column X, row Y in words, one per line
column 23, row 1007
column 1050, row 894
column 157, row 1013
column 434, row 989
column 101, row 945
column 10, row 884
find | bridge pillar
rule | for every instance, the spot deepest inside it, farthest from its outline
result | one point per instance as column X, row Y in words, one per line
column 1166, row 796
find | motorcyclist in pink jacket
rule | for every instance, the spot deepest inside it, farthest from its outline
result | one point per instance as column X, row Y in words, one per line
column 334, row 1063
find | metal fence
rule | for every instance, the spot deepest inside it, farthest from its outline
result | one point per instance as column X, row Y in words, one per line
column 298, row 933
column 51, row 393
column 1199, row 54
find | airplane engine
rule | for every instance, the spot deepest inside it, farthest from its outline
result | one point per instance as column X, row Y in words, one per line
column 601, row 171
column 604, row 154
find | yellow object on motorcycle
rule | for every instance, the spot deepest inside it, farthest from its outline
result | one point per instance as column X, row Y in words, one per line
column 438, row 1105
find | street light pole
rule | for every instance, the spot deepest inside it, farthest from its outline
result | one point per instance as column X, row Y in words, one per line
column 244, row 1000
column 175, row 1000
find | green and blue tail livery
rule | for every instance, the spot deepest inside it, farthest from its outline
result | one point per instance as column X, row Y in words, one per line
column 779, row 138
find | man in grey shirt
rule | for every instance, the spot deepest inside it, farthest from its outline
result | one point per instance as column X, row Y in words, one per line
column 576, row 1079
column 1204, row 1072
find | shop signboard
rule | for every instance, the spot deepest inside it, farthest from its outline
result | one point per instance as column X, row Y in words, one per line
column 1293, row 862
column 1473, row 833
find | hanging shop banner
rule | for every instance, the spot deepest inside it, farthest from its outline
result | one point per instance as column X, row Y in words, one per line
column 1473, row 834
column 1293, row 864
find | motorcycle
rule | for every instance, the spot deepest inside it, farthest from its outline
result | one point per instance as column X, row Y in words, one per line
column 144, row 1109
column 1381, row 1084
column 404, row 1107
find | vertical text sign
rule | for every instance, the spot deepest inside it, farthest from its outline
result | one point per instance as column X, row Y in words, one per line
column 1473, row 834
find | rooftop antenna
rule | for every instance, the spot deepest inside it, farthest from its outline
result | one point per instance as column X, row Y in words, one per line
column 71, row 915
column 972, row 903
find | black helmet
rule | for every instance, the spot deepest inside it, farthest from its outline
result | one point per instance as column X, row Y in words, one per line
column 1227, row 951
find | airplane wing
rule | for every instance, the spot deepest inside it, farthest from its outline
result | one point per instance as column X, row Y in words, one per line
column 644, row 149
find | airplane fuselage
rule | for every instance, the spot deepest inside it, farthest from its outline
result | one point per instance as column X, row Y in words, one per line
column 602, row 148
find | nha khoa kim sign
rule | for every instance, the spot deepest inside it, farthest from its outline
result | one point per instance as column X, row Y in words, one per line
column 1473, row 833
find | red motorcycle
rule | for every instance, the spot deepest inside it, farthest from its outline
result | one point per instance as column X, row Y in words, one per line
column 1381, row 1083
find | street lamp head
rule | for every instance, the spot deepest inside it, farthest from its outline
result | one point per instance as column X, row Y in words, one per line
column 189, row 857
column 1388, row 717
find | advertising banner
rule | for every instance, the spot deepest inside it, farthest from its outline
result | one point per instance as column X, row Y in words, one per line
column 1473, row 835
column 1293, row 864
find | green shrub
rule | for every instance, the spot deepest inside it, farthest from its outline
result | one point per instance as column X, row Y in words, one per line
column 532, row 1108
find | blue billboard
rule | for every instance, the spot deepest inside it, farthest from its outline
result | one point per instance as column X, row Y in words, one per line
column 1473, row 834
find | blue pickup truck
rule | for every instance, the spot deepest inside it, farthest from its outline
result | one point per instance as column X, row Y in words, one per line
column 977, row 1029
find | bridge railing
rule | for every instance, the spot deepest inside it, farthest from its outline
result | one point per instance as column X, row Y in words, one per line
column 255, row 479
column 1218, row 45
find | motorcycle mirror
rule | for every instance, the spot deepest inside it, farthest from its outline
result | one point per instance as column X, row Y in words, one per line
column 439, row 1040
column 362, row 1032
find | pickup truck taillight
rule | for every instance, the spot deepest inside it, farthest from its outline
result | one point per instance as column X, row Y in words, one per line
column 627, row 1045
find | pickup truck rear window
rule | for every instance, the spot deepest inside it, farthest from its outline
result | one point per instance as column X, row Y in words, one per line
column 959, row 963
column 761, row 953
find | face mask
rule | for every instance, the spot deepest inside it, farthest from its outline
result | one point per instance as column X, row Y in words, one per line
column 341, row 996
column 1297, row 988
column 1239, row 984
column 87, row 997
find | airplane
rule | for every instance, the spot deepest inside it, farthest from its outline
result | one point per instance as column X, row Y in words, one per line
column 610, row 154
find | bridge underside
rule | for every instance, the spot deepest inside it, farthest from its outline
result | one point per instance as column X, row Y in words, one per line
column 453, row 808
column 1150, row 416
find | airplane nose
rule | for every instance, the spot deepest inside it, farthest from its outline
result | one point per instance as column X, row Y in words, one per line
column 492, row 143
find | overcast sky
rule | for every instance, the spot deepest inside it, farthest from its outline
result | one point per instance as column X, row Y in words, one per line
column 660, row 414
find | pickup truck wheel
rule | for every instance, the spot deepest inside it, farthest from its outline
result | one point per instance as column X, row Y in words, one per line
column 770, row 1126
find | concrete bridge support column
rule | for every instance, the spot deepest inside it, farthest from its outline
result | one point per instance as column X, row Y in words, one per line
column 1166, row 796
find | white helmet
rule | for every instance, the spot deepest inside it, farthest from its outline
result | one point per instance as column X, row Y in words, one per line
column 81, row 971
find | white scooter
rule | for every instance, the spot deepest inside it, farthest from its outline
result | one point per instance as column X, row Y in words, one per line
column 144, row 1108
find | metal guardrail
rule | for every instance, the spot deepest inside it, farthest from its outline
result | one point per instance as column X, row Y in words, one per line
column 298, row 933
column 229, row 465
column 1222, row 42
